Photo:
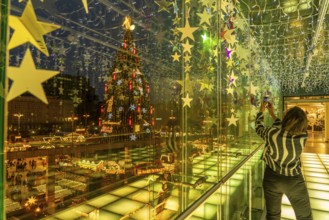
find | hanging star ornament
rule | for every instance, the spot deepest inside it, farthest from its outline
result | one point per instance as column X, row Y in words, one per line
column 232, row 120
column 187, row 101
column 85, row 5
column 176, row 57
column 232, row 79
column 27, row 78
column 163, row 5
column 187, row 47
column 205, row 17
column 187, row 31
column 28, row 29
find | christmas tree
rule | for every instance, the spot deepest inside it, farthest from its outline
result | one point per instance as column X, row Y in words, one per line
column 127, row 106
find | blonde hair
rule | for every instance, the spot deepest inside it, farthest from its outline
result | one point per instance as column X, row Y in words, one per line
column 295, row 121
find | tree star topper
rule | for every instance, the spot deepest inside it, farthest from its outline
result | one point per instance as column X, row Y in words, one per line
column 28, row 29
column 27, row 78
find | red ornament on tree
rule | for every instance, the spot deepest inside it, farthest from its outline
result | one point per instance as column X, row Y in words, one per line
column 139, row 108
column 130, row 121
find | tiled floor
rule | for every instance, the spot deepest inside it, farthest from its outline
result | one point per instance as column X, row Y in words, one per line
column 316, row 172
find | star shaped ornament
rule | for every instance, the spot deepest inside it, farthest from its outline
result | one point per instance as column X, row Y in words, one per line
column 28, row 29
column 232, row 120
column 187, row 47
column 252, row 89
column 232, row 79
column 229, row 90
column 175, row 57
column 27, row 78
column 204, row 17
column 133, row 137
column 187, row 101
column 230, row 37
column 85, row 5
column 163, row 5
column 187, row 31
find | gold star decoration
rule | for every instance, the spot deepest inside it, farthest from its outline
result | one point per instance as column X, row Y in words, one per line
column 239, row 23
column 229, row 90
column 163, row 5
column 175, row 57
column 232, row 120
column 28, row 29
column 187, row 31
column 229, row 62
column 224, row 5
column 187, row 67
column 27, row 78
column 232, row 79
column 187, row 57
column 230, row 37
column 204, row 86
column 186, row 85
column 187, row 101
column 252, row 89
column 187, row 47
column 207, row 3
column 176, row 20
column 85, row 5
column 215, row 51
column 204, row 17
column 243, row 53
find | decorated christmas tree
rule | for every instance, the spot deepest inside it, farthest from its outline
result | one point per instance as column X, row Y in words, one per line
column 127, row 106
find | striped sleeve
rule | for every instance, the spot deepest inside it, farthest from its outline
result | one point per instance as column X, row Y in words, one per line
column 261, row 130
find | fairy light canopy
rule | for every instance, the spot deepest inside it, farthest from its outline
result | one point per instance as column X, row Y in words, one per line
column 285, row 32
column 293, row 35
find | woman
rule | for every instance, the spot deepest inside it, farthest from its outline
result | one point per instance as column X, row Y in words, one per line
column 284, row 142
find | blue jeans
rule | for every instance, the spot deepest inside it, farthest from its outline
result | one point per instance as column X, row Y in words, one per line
column 275, row 185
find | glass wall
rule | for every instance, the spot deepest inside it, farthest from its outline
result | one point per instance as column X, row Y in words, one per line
column 135, row 104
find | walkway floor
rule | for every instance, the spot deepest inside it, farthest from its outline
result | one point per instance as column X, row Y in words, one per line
column 316, row 172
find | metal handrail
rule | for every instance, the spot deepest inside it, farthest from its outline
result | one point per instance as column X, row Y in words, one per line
column 196, row 204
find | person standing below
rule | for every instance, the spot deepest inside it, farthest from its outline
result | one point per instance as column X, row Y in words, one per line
column 284, row 143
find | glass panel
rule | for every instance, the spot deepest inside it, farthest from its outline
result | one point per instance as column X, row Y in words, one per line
column 120, row 109
column 241, row 197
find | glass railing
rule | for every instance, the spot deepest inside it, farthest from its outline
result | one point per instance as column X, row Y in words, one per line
column 200, row 196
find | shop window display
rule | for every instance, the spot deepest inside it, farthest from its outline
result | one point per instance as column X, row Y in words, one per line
column 143, row 109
